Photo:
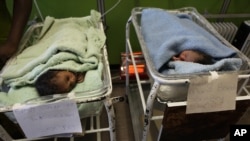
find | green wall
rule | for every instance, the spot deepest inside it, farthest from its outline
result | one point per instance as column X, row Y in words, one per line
column 117, row 18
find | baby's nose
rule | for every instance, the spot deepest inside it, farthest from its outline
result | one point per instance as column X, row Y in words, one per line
column 72, row 79
column 72, row 82
column 179, row 58
column 174, row 58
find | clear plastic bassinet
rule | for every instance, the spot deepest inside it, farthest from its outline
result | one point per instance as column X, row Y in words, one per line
column 169, row 89
column 90, row 102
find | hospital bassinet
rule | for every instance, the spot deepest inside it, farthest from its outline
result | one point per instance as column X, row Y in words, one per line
column 90, row 102
column 169, row 90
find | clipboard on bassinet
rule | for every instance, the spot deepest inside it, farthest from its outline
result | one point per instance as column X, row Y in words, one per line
column 153, row 42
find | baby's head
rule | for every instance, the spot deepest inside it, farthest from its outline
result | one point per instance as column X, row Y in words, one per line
column 57, row 81
column 193, row 56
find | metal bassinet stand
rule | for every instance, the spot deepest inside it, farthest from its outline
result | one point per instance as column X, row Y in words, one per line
column 143, row 94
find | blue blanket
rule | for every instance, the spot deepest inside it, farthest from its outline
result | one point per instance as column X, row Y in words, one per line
column 181, row 67
column 166, row 35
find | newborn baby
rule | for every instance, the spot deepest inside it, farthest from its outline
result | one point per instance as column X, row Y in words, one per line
column 190, row 56
column 193, row 56
column 57, row 81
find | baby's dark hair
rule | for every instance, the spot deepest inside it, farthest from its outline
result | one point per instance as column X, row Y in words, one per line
column 206, row 59
column 44, row 84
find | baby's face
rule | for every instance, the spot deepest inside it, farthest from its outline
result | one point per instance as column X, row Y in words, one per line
column 188, row 56
column 66, row 80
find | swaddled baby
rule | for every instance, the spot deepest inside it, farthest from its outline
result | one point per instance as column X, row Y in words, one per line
column 190, row 56
column 175, row 34
column 178, row 92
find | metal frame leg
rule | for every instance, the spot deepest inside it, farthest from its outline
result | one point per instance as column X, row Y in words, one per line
column 149, row 109
column 111, row 118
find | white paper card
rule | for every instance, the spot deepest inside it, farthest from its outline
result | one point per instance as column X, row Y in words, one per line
column 211, row 94
column 49, row 119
